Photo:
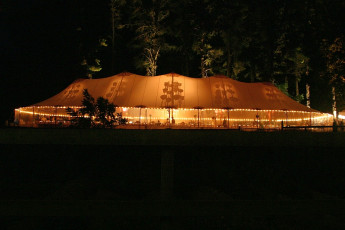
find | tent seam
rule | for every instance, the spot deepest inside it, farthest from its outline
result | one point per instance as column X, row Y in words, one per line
column 159, row 80
column 117, row 91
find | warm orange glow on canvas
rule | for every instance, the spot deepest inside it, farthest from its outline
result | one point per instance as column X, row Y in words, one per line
column 173, row 99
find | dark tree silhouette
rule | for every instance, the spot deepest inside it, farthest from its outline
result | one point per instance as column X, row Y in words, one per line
column 95, row 113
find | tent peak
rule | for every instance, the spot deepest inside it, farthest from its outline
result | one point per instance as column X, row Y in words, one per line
column 125, row 74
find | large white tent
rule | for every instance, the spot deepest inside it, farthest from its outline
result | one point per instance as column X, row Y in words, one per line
column 169, row 99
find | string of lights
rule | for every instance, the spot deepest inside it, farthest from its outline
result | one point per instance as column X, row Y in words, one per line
column 313, row 115
column 179, row 109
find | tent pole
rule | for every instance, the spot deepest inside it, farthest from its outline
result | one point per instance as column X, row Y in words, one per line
column 282, row 125
column 257, row 120
column 55, row 114
column 286, row 114
column 146, row 116
column 19, row 116
column 33, row 115
column 139, row 117
column 228, row 118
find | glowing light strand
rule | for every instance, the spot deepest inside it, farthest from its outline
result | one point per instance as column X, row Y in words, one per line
column 313, row 118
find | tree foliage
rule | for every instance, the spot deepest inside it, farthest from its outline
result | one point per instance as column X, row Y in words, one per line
column 245, row 40
column 335, row 69
column 95, row 113
column 149, row 26
column 91, row 61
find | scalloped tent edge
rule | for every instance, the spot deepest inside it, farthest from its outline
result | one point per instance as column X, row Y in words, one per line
column 131, row 90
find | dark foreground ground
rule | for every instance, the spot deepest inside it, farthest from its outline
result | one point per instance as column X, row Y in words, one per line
column 114, row 179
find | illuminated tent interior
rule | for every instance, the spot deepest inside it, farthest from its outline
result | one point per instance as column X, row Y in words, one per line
column 178, row 101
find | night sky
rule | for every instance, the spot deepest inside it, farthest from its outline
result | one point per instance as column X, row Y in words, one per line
column 42, row 42
column 41, row 53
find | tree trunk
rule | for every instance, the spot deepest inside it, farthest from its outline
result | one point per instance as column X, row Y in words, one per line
column 152, row 57
column 113, row 44
column 334, row 104
column 297, row 89
column 112, row 8
column 203, row 55
column 228, row 64
column 307, row 88
column 307, row 94
column 154, row 70
column 186, row 71
column 286, row 84
column 203, row 71
column 252, row 75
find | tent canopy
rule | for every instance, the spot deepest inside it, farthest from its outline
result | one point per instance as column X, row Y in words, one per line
column 177, row 91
